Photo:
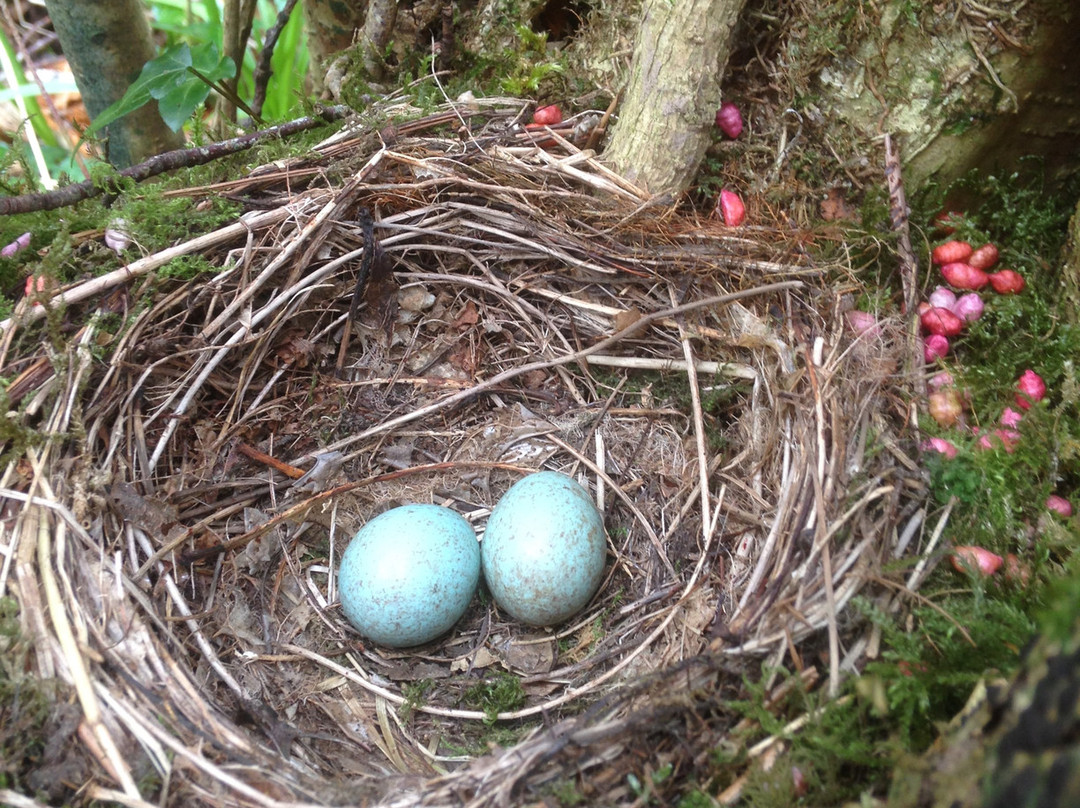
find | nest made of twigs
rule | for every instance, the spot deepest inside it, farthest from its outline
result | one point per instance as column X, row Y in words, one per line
column 173, row 548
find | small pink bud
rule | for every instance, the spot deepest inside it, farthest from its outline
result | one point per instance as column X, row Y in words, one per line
column 798, row 781
column 729, row 119
column 969, row 307
column 941, row 379
column 941, row 446
column 21, row 243
column 1031, row 388
column 976, row 559
column 1059, row 505
column 731, row 208
column 35, row 283
column 862, row 323
column 1016, row 570
column 935, row 347
column 1008, row 437
column 943, row 298
column 1011, row 418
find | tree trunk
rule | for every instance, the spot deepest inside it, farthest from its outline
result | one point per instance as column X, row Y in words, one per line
column 107, row 45
column 236, row 26
column 666, row 118
column 330, row 26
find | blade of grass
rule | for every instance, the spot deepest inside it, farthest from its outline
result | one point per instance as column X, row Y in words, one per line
column 290, row 66
column 14, row 77
column 16, row 82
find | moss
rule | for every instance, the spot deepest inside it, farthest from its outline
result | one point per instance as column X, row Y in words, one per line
column 415, row 694
column 565, row 793
column 499, row 692
column 187, row 267
column 156, row 221
column 523, row 67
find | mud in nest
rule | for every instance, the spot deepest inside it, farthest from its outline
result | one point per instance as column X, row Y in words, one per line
column 426, row 314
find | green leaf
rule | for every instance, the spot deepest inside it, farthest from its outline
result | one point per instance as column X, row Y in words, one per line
column 169, row 79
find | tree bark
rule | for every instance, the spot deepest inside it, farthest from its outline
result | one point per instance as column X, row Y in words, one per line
column 1070, row 270
column 375, row 36
column 107, row 45
column 237, row 20
column 330, row 26
column 664, row 125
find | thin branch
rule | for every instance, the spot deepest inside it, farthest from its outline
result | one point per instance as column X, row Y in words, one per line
column 159, row 164
column 263, row 69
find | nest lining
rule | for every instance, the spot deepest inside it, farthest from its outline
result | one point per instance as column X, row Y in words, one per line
column 185, row 533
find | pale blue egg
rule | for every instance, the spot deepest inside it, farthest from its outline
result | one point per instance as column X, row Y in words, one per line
column 544, row 549
column 408, row 575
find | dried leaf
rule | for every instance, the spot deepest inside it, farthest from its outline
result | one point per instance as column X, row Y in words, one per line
column 483, row 658
column 528, row 654
column 143, row 512
column 625, row 319
column 469, row 315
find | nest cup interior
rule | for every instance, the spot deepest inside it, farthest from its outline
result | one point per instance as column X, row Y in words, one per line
column 525, row 309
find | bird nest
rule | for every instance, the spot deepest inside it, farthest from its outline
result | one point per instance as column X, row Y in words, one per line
column 425, row 314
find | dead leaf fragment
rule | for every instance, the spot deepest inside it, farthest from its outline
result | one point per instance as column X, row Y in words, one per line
column 625, row 319
column 835, row 207
column 528, row 654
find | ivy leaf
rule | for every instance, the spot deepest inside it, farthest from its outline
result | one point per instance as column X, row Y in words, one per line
column 170, row 79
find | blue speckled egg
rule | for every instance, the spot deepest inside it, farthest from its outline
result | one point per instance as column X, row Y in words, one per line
column 544, row 549
column 408, row 575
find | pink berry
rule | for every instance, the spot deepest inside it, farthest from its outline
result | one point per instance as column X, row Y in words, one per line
column 950, row 252
column 1059, row 505
column 729, row 120
column 984, row 257
column 969, row 307
column 941, row 446
column 1031, row 389
column 976, row 559
column 943, row 298
column 964, row 276
column 935, row 347
column 862, row 323
column 1008, row 437
column 942, row 321
column 945, row 222
column 1007, row 282
column 945, row 406
column 941, row 379
column 1016, row 570
column 548, row 116
column 731, row 208
column 1011, row 418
